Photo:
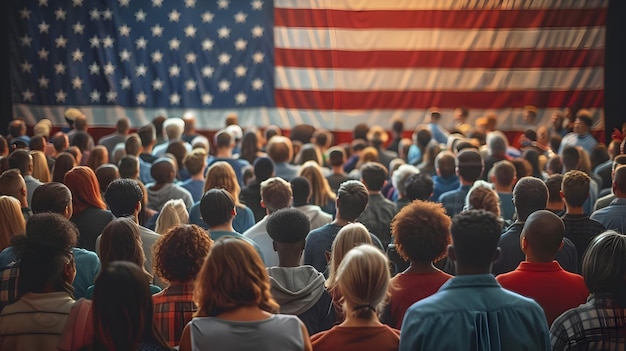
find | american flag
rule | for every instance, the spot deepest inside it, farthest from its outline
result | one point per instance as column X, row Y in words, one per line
column 327, row 63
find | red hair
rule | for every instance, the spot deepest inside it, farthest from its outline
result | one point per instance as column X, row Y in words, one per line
column 85, row 189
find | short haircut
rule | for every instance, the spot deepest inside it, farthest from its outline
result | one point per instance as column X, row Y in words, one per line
column 374, row 175
column 585, row 118
column 122, row 197
column 21, row 160
column 423, row 136
column 122, row 125
column 132, row 145
column 128, row 166
column 544, row 233
column 604, row 266
column 38, row 142
column 496, row 143
column 400, row 175
column 174, row 128
column 223, row 139
column 619, row 178
column 216, row 207
column 147, row 134
column 554, row 187
column 554, row 165
column 276, row 194
column 360, row 131
column 475, row 236
column 162, row 169
column 59, row 141
column 263, row 168
column 280, row 149
column 419, row 186
column 352, row 198
column 301, row 189
column 397, row 125
column 575, row 187
column 105, row 174
column 194, row 161
column 619, row 160
column 51, row 197
column 529, row 195
column 336, row 156
column 570, row 158
column 445, row 163
column 469, row 165
column 288, row 226
column 504, row 173
column 421, row 231
column 11, row 183
column 180, row 252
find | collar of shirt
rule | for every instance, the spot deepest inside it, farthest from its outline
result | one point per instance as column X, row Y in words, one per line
column 471, row 280
column 618, row 201
column 539, row 266
column 580, row 217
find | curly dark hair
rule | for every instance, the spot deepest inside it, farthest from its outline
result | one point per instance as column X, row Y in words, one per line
column 476, row 234
column 180, row 253
column 421, row 231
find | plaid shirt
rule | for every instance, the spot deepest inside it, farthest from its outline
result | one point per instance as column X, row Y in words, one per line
column 8, row 284
column 454, row 200
column 173, row 309
column 598, row 324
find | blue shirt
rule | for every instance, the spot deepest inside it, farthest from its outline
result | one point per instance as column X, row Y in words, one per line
column 473, row 312
column 587, row 142
column 439, row 134
column 443, row 185
column 195, row 187
column 454, row 200
column 507, row 209
column 613, row 216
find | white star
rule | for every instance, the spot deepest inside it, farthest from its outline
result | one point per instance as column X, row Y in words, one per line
column 125, row 30
column 224, row 58
column 60, row 14
column 94, row 14
column 241, row 98
column 125, row 83
column 240, row 71
column 109, row 68
column 94, row 42
column 222, row 4
column 157, row 31
column 174, row 99
column 174, row 16
column 77, row 55
column 59, row 68
column 257, row 4
column 77, row 3
column 157, row 84
column 43, row 54
column 207, row 17
column 190, row 57
column 223, row 32
column 125, row 55
column 240, row 17
column 258, row 57
column 141, row 98
column 207, row 71
column 24, row 13
column 190, row 85
column 174, row 44
column 224, row 85
column 26, row 40
column 140, row 16
column 257, row 31
column 257, row 84
column 141, row 43
column 190, row 31
column 207, row 44
column 207, row 99
column 157, row 56
column 43, row 82
column 107, row 14
column 78, row 28
column 43, row 27
column 141, row 71
column 77, row 83
column 95, row 96
column 43, row 3
column 107, row 42
column 240, row 44
column 174, row 71
column 157, row 3
column 124, row 3
column 26, row 67
column 190, row 3
column 61, row 95
column 27, row 95
column 111, row 96
column 94, row 68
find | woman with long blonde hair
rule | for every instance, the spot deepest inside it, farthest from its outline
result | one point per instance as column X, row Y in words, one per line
column 11, row 220
column 40, row 166
column 322, row 195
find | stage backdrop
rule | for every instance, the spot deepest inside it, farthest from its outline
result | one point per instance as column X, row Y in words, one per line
column 329, row 63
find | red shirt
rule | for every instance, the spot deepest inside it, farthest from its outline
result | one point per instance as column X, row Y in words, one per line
column 553, row 288
column 382, row 338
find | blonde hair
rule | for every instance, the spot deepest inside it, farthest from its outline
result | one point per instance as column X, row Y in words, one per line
column 320, row 189
column 349, row 236
column 369, row 154
column 363, row 279
column 40, row 166
column 172, row 214
column 221, row 175
column 11, row 220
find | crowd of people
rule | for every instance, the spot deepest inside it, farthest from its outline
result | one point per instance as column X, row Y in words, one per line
column 452, row 239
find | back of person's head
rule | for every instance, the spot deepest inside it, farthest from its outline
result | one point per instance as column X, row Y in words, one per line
column 363, row 279
column 619, row 160
column 122, row 196
column 81, row 123
column 543, row 233
column 575, row 187
column 619, row 181
column 360, row 131
column 174, row 128
column 570, row 158
column 122, row 125
column 301, row 189
column 349, row 236
column 321, row 193
column 194, row 161
column 377, row 136
column 422, row 137
column 263, row 168
column 12, row 183
column 180, row 252
column 280, row 149
column 44, row 253
column 62, row 165
column 52, row 197
column 445, row 164
column 554, row 165
column 475, row 236
column 37, row 142
column 223, row 139
column 352, row 198
column 201, row 142
column 21, row 160
column 322, row 138
column 482, row 196
column 232, row 276
column 421, row 231
column 400, row 175
column 275, row 194
column 120, row 241
column 123, row 309
column 419, row 186
column 553, row 183
column 288, row 226
column 177, row 149
column 397, row 125
column 172, row 214
column 147, row 134
column 469, row 165
column 163, row 170
column 309, row 152
column 529, row 195
column 83, row 184
column 17, row 128
column 81, row 140
column 496, row 143
column 374, row 175
column 217, row 207
column 4, row 146
column 221, row 175
column 336, row 156
column 106, row 174
column 40, row 166
column 271, row 131
column 132, row 145
column 99, row 155
column 60, row 141
column 129, row 167
column 43, row 128
column 11, row 220
column 604, row 266
column 504, row 173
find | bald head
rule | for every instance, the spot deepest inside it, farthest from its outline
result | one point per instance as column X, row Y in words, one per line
column 543, row 233
column 163, row 170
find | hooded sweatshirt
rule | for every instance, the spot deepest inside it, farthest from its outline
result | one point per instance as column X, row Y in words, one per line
column 300, row 291
column 158, row 198
column 317, row 217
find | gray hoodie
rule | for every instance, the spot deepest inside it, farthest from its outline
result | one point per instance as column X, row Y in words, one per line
column 317, row 217
column 296, row 289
